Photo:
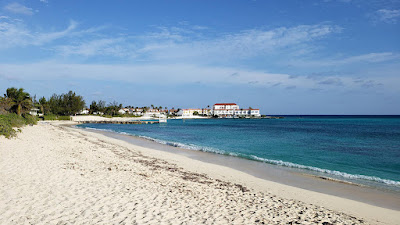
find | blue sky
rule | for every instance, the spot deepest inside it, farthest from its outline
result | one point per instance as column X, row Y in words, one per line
column 284, row 57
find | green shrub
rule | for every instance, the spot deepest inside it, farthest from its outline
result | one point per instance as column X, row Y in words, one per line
column 49, row 117
column 54, row 117
column 11, row 120
column 5, row 126
column 30, row 120
column 14, row 120
column 64, row 118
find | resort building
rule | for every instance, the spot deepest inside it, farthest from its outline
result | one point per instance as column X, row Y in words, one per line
column 225, row 109
column 123, row 111
column 164, row 111
column 152, row 112
column 137, row 111
column 189, row 112
column 228, row 110
column 206, row 112
column 247, row 112
column 173, row 111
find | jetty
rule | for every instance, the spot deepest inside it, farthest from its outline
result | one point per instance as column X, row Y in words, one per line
column 120, row 122
column 115, row 120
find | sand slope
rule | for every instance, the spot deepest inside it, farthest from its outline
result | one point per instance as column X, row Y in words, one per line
column 57, row 175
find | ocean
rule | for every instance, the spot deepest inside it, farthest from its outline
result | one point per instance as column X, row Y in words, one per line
column 358, row 149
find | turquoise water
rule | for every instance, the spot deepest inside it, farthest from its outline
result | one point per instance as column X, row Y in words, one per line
column 360, row 149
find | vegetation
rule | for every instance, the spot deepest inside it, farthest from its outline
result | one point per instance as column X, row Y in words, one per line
column 19, row 100
column 11, row 120
column 97, row 107
column 66, row 104
column 55, row 117
column 16, row 105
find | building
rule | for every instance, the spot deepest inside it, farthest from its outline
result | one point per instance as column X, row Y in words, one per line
column 189, row 112
column 164, row 111
column 122, row 111
column 137, row 112
column 255, row 112
column 224, row 109
column 247, row 113
column 229, row 110
column 34, row 111
column 84, row 111
column 153, row 112
column 173, row 111
column 206, row 112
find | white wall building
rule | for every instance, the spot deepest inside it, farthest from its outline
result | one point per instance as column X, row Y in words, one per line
column 225, row 109
column 84, row 112
column 137, row 112
column 188, row 112
column 207, row 112
column 34, row 111
column 233, row 110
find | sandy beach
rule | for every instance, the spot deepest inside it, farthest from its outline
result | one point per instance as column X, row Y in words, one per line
column 56, row 174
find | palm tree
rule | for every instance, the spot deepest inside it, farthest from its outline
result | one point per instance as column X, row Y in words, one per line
column 20, row 99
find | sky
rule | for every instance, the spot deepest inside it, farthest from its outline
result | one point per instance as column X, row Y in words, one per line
column 283, row 57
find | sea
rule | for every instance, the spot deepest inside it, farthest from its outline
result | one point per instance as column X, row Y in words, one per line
column 358, row 149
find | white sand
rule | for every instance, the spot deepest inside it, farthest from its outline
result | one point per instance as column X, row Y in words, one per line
column 58, row 175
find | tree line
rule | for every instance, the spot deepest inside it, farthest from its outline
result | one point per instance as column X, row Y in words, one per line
column 20, row 102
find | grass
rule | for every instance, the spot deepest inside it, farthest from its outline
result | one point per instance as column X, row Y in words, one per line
column 10, row 121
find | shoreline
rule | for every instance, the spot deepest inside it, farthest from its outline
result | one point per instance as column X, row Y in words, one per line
column 52, row 173
column 284, row 175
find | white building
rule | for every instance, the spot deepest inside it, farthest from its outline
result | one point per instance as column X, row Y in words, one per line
column 206, row 112
column 34, row 111
column 225, row 109
column 153, row 112
column 84, row 112
column 247, row 112
column 189, row 112
column 121, row 111
column 232, row 110
column 255, row 112
column 137, row 112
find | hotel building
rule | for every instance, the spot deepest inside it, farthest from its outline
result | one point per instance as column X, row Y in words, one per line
column 233, row 110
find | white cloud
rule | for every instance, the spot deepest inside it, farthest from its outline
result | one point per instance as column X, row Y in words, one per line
column 99, row 47
column 13, row 33
column 176, row 44
column 51, row 36
column 388, row 15
column 190, row 44
column 358, row 59
column 18, row 9
column 166, row 74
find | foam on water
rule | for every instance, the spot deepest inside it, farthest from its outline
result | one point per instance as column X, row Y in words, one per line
column 260, row 159
column 331, row 172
